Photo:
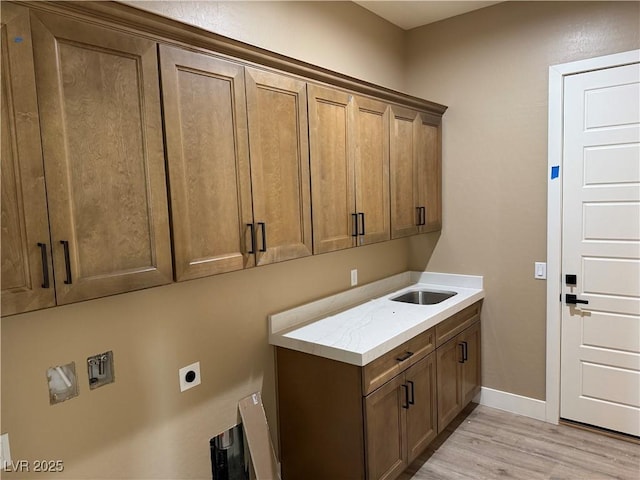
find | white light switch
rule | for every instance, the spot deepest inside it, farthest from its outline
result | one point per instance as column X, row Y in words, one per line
column 540, row 270
column 354, row 277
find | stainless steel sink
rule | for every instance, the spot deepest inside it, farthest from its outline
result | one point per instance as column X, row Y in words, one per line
column 424, row 297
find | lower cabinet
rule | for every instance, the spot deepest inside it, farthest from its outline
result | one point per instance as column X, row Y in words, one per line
column 458, row 373
column 400, row 420
column 338, row 420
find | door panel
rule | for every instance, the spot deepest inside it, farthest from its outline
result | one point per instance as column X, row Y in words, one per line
column 612, row 164
column 25, row 223
column 600, row 354
column 372, row 170
column 102, row 141
column 626, row 226
column 279, row 150
column 332, row 176
column 208, row 162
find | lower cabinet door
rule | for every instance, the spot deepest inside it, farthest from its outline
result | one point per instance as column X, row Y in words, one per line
column 421, row 415
column 385, row 420
column 449, row 356
column 470, row 377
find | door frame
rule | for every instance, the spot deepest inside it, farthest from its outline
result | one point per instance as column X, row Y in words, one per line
column 557, row 73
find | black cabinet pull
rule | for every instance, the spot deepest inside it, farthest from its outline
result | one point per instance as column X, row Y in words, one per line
column 423, row 216
column 465, row 351
column 263, row 228
column 404, row 356
column 252, row 231
column 461, row 345
column 573, row 299
column 67, row 262
column 45, row 265
column 354, row 224
column 406, row 396
column 412, row 398
column 361, row 215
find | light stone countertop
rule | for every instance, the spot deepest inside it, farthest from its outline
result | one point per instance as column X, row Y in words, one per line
column 361, row 324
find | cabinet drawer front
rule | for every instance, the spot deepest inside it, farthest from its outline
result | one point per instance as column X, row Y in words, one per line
column 383, row 369
column 457, row 323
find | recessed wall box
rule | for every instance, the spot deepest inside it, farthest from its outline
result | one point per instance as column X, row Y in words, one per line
column 63, row 383
column 100, row 369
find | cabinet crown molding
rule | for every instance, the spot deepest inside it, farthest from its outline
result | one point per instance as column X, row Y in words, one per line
column 164, row 30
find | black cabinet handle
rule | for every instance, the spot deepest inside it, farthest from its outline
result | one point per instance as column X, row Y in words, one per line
column 412, row 398
column 252, row 231
column 361, row 215
column 67, row 262
column 465, row 351
column 406, row 396
column 573, row 299
column 423, row 216
column 354, row 224
column 45, row 265
column 461, row 345
column 404, row 356
column 263, row 228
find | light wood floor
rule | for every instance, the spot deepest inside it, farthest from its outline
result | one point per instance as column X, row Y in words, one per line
column 492, row 444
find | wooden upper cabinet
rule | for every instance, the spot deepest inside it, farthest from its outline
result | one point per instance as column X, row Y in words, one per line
column 102, row 141
column 332, row 177
column 372, row 170
column 429, row 170
column 27, row 282
column 349, row 142
column 208, row 162
column 415, row 149
column 279, row 152
column 404, row 182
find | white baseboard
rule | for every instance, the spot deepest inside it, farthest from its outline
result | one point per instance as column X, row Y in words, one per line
column 510, row 402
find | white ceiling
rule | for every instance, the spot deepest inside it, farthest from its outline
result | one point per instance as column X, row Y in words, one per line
column 408, row 15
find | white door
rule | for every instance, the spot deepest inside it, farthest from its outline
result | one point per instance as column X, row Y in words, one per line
column 600, row 349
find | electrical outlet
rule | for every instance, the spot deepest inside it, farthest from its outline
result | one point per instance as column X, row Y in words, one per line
column 189, row 376
column 354, row 277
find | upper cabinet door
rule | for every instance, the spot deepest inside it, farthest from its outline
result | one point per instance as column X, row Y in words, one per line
column 102, row 141
column 27, row 282
column 405, row 211
column 279, row 151
column 372, row 170
column 429, row 171
column 332, row 177
column 208, row 161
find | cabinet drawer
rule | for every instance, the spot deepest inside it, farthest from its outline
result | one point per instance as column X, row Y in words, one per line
column 449, row 328
column 383, row 369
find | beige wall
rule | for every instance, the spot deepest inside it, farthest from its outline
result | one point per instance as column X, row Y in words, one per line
column 340, row 36
column 142, row 426
column 491, row 68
